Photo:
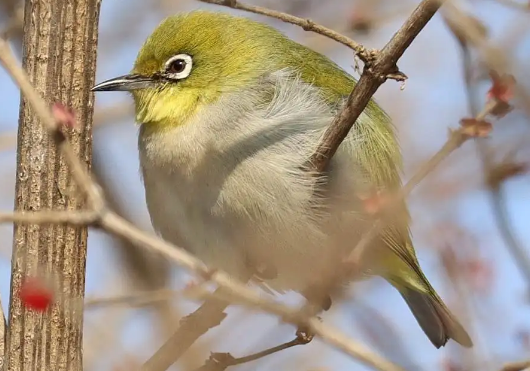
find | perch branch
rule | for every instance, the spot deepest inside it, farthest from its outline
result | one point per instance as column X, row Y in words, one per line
column 373, row 76
column 361, row 52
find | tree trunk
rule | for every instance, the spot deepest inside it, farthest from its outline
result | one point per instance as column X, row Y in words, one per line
column 60, row 40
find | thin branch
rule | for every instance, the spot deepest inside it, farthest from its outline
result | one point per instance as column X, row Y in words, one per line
column 365, row 55
column 104, row 117
column 373, row 76
column 494, row 57
column 133, row 300
column 496, row 193
column 517, row 366
column 79, row 173
column 515, row 4
column 209, row 315
column 50, row 217
column 221, row 361
column 455, row 141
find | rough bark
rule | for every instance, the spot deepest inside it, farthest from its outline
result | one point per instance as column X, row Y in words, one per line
column 59, row 54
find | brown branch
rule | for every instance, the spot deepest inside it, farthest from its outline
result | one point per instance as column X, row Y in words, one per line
column 221, row 361
column 517, row 366
column 104, row 117
column 308, row 25
column 113, row 223
column 383, row 67
column 518, row 5
column 209, row 315
column 50, row 217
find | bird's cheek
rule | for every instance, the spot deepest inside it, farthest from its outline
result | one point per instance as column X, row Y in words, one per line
column 168, row 108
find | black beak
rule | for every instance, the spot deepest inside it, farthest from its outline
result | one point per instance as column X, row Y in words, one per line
column 126, row 83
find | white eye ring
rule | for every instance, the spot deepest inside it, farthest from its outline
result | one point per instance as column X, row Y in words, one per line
column 183, row 64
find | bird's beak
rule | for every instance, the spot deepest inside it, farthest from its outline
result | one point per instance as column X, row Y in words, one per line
column 126, row 83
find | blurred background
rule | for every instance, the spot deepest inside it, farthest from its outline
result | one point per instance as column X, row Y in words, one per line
column 469, row 216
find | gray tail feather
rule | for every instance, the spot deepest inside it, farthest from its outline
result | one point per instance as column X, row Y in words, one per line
column 435, row 319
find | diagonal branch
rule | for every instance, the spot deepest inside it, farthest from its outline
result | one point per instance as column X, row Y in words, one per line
column 210, row 314
column 383, row 67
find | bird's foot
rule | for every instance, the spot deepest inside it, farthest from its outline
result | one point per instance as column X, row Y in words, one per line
column 304, row 335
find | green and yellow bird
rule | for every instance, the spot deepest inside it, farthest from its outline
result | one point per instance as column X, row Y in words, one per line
column 230, row 111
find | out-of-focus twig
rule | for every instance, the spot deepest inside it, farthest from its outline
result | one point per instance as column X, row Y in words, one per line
column 210, row 314
column 146, row 271
column 106, row 116
column 498, row 202
column 50, row 217
column 221, row 361
column 517, row 366
column 133, row 300
column 494, row 58
column 515, row 4
column 14, row 26
column 456, row 139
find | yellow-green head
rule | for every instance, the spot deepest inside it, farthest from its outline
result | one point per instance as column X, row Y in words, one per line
column 191, row 59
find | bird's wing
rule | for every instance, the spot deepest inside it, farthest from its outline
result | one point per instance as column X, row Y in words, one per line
column 377, row 151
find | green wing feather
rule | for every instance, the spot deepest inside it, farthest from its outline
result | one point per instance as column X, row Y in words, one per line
column 379, row 153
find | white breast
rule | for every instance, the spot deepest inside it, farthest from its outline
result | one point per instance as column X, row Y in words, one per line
column 228, row 185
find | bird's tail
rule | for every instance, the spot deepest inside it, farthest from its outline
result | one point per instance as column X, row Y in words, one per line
column 435, row 319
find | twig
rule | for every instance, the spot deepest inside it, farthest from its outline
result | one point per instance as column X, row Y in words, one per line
column 79, row 173
column 104, row 117
column 456, row 139
column 495, row 188
column 493, row 57
column 365, row 55
column 221, row 361
column 515, row 4
column 134, row 300
column 113, row 223
column 517, row 366
column 209, row 315
column 383, row 67
column 50, row 217
column 517, row 251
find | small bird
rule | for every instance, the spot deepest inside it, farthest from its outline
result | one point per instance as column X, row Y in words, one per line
column 230, row 111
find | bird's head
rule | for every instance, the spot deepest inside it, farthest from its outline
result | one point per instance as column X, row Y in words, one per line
column 192, row 59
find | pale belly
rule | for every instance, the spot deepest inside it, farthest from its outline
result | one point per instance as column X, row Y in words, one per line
column 191, row 215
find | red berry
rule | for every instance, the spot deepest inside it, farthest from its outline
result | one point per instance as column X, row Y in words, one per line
column 35, row 294
column 64, row 116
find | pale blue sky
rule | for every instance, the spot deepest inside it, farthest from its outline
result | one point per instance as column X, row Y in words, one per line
column 434, row 99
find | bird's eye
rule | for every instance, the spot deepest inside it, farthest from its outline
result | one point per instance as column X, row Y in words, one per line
column 179, row 66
